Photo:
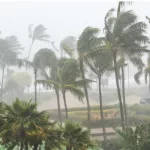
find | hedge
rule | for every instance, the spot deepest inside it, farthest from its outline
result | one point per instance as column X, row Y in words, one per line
column 132, row 121
column 92, row 108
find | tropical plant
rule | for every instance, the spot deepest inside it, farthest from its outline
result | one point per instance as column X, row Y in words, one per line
column 83, row 48
column 75, row 136
column 136, row 139
column 100, row 62
column 124, row 35
column 24, row 126
column 39, row 62
column 115, row 143
column 9, row 50
column 38, row 34
column 65, row 77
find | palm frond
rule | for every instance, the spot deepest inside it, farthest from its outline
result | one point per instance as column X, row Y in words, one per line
column 146, row 75
column 83, row 42
column 121, row 4
column 137, row 76
column 124, row 20
column 75, row 91
column 68, row 45
column 39, row 33
column 137, row 61
column 45, row 82
column 148, row 19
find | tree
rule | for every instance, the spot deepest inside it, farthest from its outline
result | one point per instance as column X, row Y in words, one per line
column 38, row 34
column 75, row 136
column 66, row 79
column 83, row 47
column 137, row 138
column 100, row 63
column 9, row 50
column 38, row 63
column 124, row 35
column 24, row 126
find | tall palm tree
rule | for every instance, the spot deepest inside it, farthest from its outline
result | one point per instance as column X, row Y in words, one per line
column 83, row 47
column 48, row 62
column 124, row 35
column 9, row 50
column 67, row 74
column 100, row 63
column 134, row 59
column 38, row 63
column 38, row 34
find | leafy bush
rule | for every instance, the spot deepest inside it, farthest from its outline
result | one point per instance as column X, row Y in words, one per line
column 112, row 144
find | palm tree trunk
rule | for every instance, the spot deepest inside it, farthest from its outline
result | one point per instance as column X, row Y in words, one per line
column 86, row 92
column 26, row 146
column 58, row 103
column 65, row 103
column 30, row 50
column 2, row 82
column 101, row 108
column 123, row 95
column 35, row 85
column 128, row 77
column 21, row 145
column 35, row 147
column 149, row 82
column 118, row 90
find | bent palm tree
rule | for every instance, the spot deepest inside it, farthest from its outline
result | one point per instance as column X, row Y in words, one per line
column 39, row 62
column 38, row 34
column 83, row 47
column 100, row 63
column 66, row 75
column 125, row 36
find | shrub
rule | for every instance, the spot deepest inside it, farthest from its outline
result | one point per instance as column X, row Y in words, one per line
column 112, row 144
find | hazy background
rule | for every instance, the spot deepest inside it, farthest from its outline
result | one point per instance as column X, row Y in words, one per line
column 61, row 18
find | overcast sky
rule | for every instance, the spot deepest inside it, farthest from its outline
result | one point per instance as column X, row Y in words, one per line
column 61, row 18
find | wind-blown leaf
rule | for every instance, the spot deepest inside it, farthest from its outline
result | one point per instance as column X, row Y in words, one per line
column 137, row 76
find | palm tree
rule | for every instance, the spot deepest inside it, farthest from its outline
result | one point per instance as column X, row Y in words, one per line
column 66, row 79
column 75, row 136
column 39, row 62
column 9, row 50
column 38, row 34
column 83, row 47
column 100, row 63
column 24, row 126
column 124, row 35
column 48, row 72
